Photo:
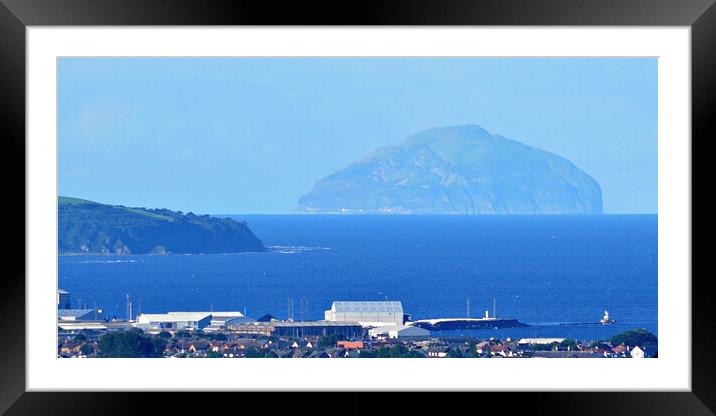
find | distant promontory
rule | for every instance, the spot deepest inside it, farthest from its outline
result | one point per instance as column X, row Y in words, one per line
column 456, row 170
column 86, row 227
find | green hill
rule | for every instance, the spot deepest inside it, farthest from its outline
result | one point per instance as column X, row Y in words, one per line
column 90, row 227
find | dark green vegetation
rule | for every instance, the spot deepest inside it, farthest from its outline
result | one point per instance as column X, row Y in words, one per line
column 130, row 344
column 398, row 351
column 641, row 337
column 457, row 170
column 90, row 227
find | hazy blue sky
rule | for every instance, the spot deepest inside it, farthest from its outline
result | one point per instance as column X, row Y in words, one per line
column 251, row 135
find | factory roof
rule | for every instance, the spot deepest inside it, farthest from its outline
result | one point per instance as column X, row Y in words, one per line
column 232, row 320
column 398, row 328
column 73, row 313
column 313, row 324
column 367, row 306
column 173, row 317
column 77, row 326
column 233, row 314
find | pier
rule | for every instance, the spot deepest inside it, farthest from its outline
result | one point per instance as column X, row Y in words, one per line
column 448, row 324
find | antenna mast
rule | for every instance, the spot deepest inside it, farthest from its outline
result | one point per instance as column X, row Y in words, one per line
column 468, row 307
column 494, row 308
column 290, row 309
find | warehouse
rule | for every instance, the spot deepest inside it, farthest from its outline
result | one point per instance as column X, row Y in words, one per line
column 173, row 320
column 368, row 313
column 79, row 314
column 242, row 326
column 218, row 318
column 399, row 332
column 300, row 329
column 296, row 329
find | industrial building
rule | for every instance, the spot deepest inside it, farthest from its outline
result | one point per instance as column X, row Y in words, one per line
column 80, row 315
column 368, row 313
column 219, row 319
column 399, row 332
column 173, row 320
column 298, row 329
column 302, row 329
column 63, row 299
column 242, row 326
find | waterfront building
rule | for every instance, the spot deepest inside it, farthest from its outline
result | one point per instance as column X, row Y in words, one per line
column 173, row 320
column 399, row 332
column 63, row 299
column 76, row 327
column 296, row 329
column 241, row 326
column 218, row 318
column 79, row 315
column 368, row 313
column 300, row 329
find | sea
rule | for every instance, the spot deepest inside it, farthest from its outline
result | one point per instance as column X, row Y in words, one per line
column 556, row 273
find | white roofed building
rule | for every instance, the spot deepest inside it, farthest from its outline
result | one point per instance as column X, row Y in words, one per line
column 637, row 352
column 367, row 313
column 539, row 341
column 173, row 320
column 399, row 332
column 218, row 318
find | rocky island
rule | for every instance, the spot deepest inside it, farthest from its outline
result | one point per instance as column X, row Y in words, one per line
column 456, row 170
column 86, row 227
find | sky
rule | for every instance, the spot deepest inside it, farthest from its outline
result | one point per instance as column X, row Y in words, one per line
column 251, row 135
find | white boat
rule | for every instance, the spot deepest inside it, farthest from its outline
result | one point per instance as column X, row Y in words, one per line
column 605, row 320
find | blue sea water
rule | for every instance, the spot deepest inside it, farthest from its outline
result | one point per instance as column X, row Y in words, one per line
column 542, row 270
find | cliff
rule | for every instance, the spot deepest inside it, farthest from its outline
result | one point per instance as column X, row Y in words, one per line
column 90, row 227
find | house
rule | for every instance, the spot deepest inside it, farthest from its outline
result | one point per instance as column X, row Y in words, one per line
column 71, row 347
column 335, row 352
column 297, row 353
column 350, row 345
column 620, row 350
column 565, row 354
column 199, row 346
column 484, row 347
column 352, row 353
column 502, row 350
column 440, row 352
column 637, row 352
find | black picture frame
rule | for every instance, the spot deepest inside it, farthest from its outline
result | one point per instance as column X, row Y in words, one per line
column 16, row 15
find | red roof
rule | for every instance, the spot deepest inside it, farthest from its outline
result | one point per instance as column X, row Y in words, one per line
column 619, row 349
column 350, row 344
